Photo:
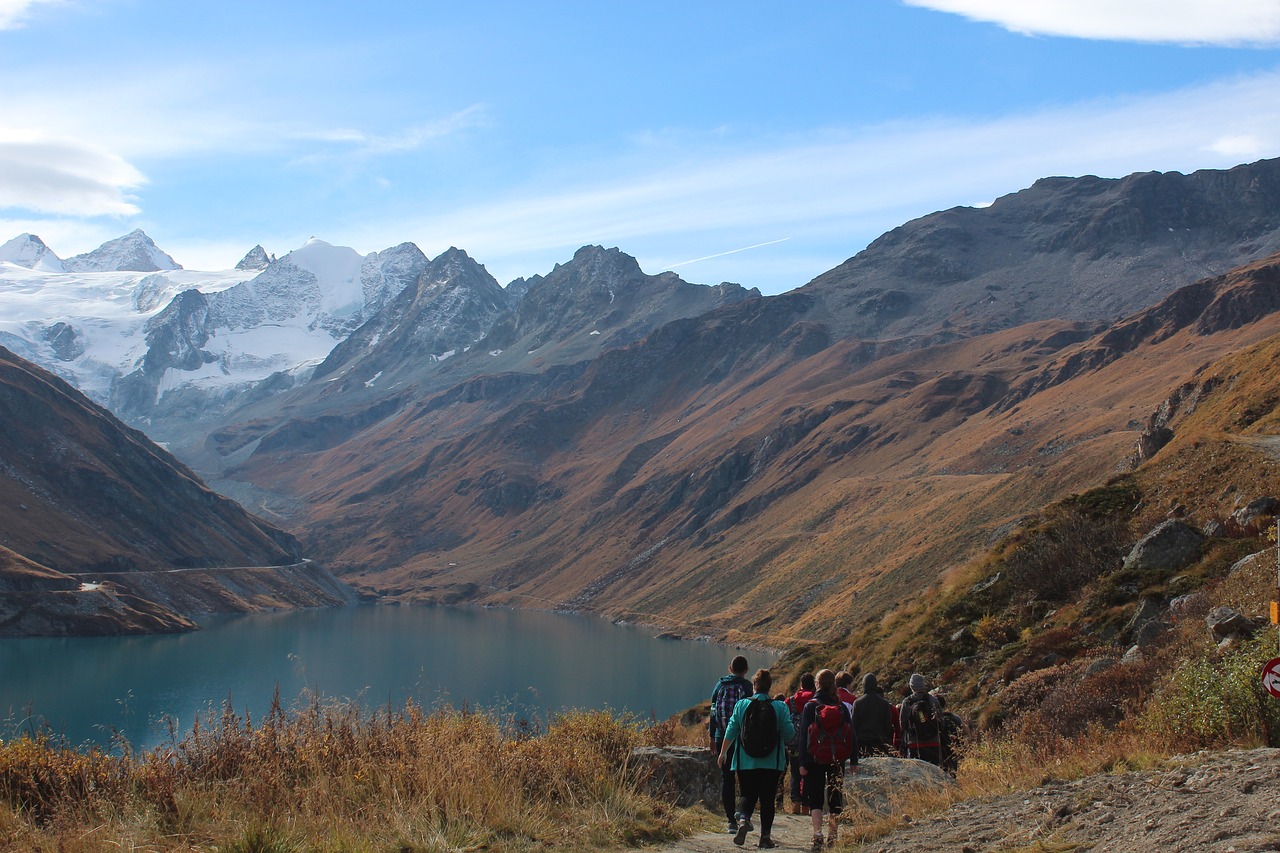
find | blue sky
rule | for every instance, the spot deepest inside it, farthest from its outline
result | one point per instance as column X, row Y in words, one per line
column 755, row 142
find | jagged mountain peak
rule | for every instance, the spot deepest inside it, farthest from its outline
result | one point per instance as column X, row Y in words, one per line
column 599, row 261
column 255, row 259
column 28, row 250
column 135, row 252
column 454, row 263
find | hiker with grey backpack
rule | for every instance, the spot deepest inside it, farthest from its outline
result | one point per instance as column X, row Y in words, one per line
column 755, row 748
column 921, row 719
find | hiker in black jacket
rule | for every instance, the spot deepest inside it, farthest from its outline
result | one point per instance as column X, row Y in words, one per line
column 729, row 689
column 873, row 719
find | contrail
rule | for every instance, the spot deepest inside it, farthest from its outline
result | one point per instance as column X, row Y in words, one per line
column 730, row 252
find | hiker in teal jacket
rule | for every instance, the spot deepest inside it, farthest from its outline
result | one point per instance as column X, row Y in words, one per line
column 757, row 774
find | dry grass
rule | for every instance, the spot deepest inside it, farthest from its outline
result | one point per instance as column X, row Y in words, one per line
column 331, row 778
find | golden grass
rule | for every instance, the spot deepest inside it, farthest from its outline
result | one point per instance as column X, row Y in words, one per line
column 331, row 778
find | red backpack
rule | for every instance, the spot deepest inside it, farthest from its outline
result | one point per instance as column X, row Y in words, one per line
column 831, row 736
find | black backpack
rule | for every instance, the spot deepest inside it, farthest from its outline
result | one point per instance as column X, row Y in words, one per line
column 759, row 729
column 922, row 718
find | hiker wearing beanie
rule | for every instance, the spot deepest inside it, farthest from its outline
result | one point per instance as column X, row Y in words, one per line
column 873, row 719
column 921, row 721
column 755, row 742
column 728, row 691
column 826, row 742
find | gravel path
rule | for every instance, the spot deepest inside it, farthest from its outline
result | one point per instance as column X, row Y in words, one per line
column 1224, row 802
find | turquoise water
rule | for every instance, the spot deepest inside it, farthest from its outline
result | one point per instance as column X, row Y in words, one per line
column 521, row 663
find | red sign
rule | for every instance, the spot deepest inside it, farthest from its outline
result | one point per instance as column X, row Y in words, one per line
column 1271, row 677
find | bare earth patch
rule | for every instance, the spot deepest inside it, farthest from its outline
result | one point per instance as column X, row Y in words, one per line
column 1210, row 801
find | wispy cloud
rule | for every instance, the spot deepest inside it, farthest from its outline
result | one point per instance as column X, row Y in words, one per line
column 64, row 176
column 13, row 13
column 1192, row 22
column 857, row 183
column 360, row 143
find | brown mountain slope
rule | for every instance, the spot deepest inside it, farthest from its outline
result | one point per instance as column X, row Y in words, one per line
column 94, row 518
column 82, row 491
column 743, row 478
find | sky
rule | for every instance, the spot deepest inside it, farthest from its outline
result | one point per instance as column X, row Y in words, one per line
column 754, row 142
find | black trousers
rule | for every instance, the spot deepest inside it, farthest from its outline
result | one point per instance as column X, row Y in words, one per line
column 728, row 784
column 758, row 786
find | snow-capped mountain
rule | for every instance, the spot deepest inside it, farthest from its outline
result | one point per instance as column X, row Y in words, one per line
column 134, row 251
column 29, row 251
column 125, row 337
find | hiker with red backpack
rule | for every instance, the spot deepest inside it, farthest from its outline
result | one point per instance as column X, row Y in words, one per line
column 754, row 748
column 796, row 706
column 921, row 719
column 827, row 742
column 728, row 691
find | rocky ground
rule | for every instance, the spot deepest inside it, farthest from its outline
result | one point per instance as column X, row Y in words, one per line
column 1225, row 802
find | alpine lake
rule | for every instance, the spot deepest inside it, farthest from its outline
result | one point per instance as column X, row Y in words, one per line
column 520, row 665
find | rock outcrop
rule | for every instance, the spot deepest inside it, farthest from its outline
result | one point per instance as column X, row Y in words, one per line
column 1170, row 546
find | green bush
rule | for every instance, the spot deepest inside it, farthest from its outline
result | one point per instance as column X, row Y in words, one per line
column 1213, row 701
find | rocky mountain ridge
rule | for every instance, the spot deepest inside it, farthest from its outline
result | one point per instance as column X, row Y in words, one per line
column 1062, row 248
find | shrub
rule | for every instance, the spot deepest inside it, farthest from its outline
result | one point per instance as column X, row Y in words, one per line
column 1071, row 548
column 1213, row 701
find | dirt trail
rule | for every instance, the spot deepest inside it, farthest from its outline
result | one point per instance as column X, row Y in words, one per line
column 792, row 832
column 1220, row 801
column 1224, row 802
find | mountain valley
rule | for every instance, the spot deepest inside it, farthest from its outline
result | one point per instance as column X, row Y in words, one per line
column 774, row 470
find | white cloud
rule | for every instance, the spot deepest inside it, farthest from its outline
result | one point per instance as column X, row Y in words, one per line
column 66, row 176
column 1199, row 22
column 13, row 13
column 1245, row 146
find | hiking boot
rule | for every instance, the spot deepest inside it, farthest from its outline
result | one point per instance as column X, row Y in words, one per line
column 817, row 841
column 733, row 827
column 745, row 820
column 767, row 843
column 831, row 835
column 741, row 837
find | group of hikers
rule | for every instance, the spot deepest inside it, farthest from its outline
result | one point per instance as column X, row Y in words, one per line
column 818, row 733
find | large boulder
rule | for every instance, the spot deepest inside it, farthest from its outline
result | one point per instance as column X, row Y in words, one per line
column 1170, row 546
column 876, row 777
column 684, row 775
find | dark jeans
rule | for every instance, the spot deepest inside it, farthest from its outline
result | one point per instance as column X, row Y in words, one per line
column 728, row 784
column 758, row 786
